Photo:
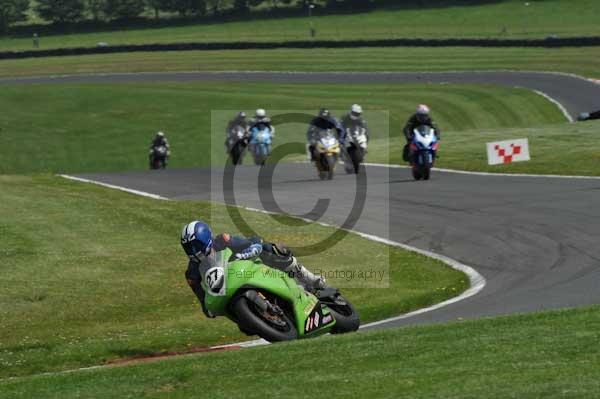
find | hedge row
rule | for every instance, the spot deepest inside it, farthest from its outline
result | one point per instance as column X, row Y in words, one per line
column 106, row 49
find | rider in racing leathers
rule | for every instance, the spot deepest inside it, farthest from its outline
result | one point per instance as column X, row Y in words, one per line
column 260, row 119
column 159, row 140
column 324, row 121
column 354, row 119
column 239, row 120
column 420, row 117
column 199, row 244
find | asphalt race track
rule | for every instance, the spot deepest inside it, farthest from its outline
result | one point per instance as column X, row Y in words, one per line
column 534, row 239
column 576, row 94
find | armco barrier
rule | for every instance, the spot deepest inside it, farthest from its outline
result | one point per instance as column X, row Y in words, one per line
column 550, row 42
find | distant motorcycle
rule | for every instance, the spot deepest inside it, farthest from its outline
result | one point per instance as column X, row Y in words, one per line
column 236, row 144
column 260, row 143
column 356, row 148
column 423, row 149
column 327, row 152
column 158, row 157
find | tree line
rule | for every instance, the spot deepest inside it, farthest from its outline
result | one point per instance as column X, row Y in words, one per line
column 72, row 11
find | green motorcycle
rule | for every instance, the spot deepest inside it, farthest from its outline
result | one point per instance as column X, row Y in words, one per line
column 267, row 302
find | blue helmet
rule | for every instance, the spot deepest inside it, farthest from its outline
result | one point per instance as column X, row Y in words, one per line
column 196, row 240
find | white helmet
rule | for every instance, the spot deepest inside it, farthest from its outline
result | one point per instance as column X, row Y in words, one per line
column 261, row 113
column 422, row 109
column 160, row 134
column 355, row 111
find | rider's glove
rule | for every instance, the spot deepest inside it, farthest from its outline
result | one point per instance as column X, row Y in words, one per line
column 251, row 252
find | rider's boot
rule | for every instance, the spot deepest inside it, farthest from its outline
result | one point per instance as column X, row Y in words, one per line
column 305, row 277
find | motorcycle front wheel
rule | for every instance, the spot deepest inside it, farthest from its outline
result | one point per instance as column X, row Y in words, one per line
column 416, row 172
column 270, row 327
column 425, row 167
column 331, row 161
column 236, row 154
column 426, row 172
column 356, row 156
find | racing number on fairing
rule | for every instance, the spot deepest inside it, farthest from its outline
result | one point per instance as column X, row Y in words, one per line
column 215, row 279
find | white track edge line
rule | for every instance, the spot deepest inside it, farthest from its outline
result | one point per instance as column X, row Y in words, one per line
column 127, row 190
column 557, row 103
column 477, row 281
column 467, row 172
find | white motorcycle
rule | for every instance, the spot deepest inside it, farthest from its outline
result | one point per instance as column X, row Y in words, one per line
column 355, row 149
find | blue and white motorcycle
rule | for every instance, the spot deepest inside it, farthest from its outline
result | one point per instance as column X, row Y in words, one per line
column 261, row 137
column 423, row 151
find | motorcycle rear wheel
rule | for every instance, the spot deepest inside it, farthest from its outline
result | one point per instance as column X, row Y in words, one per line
column 236, row 154
column 346, row 316
column 250, row 319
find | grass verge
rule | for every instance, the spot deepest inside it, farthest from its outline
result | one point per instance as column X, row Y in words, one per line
column 491, row 19
column 93, row 128
column 553, row 149
column 90, row 275
column 551, row 355
column 582, row 61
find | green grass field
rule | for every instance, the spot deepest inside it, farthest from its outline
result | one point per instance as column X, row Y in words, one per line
column 91, row 274
column 502, row 19
column 93, row 128
column 582, row 61
column 545, row 355
column 553, row 149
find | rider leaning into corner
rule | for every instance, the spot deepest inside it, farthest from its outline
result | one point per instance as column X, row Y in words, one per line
column 200, row 246
column 420, row 117
column 323, row 121
column 159, row 140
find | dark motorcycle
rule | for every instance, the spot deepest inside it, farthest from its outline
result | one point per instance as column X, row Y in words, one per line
column 158, row 157
column 236, row 144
